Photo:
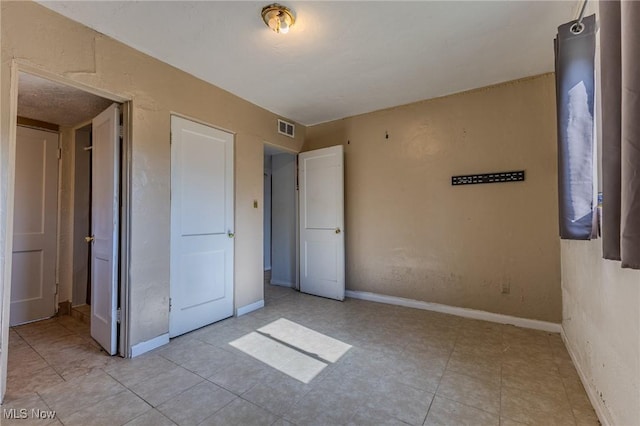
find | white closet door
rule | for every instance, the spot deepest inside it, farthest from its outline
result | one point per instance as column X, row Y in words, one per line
column 105, row 215
column 321, row 181
column 33, row 279
column 202, row 226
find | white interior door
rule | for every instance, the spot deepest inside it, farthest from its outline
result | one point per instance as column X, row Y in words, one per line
column 105, row 215
column 321, row 182
column 33, row 279
column 202, row 226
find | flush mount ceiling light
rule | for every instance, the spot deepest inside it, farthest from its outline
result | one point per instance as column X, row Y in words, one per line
column 278, row 18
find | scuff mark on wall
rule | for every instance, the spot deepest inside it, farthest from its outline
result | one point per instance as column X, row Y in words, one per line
column 90, row 70
column 602, row 329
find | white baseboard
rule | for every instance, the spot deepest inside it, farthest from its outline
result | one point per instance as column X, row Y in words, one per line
column 249, row 308
column 149, row 345
column 282, row 283
column 454, row 310
column 602, row 414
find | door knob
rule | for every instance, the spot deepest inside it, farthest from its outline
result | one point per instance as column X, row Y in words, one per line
column 89, row 239
column 338, row 230
column 230, row 234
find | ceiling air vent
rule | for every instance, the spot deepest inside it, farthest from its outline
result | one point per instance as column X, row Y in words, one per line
column 285, row 128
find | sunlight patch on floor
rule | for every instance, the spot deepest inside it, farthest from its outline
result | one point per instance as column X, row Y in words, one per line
column 281, row 357
column 292, row 348
column 310, row 341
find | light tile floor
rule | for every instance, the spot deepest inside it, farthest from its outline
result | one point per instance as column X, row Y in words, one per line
column 405, row 366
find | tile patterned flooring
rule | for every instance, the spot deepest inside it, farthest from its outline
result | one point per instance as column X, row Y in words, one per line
column 405, row 366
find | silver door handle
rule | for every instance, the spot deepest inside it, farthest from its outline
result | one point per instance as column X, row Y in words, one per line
column 338, row 230
column 89, row 239
column 230, row 234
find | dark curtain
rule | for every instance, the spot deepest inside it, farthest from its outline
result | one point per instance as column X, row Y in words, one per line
column 620, row 70
column 575, row 69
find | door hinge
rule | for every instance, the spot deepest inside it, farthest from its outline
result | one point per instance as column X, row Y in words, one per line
column 119, row 315
column 57, row 287
column 59, row 153
column 169, row 304
column 170, row 138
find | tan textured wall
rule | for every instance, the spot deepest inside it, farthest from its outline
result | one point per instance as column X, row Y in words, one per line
column 43, row 39
column 409, row 233
column 601, row 323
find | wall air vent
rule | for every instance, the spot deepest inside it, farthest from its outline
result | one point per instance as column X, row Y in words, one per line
column 285, row 128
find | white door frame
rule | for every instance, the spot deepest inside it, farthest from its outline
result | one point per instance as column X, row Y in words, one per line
column 5, row 283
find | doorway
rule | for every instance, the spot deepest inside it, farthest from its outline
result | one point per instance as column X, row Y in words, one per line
column 81, row 291
column 304, row 221
column 54, row 142
column 280, row 217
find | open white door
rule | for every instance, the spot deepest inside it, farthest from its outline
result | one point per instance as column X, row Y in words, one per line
column 105, row 215
column 33, row 276
column 202, row 226
column 321, row 182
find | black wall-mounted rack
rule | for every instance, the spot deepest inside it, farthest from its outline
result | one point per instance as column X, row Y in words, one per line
column 515, row 176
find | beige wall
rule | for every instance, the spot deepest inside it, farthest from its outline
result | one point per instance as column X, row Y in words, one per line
column 409, row 233
column 45, row 40
column 601, row 323
column 601, row 320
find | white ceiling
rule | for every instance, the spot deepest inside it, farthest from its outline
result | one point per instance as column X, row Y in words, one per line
column 341, row 58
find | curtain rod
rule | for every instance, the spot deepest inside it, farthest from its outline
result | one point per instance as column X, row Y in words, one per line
column 578, row 27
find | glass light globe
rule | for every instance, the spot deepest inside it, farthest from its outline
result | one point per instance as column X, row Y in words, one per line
column 284, row 25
